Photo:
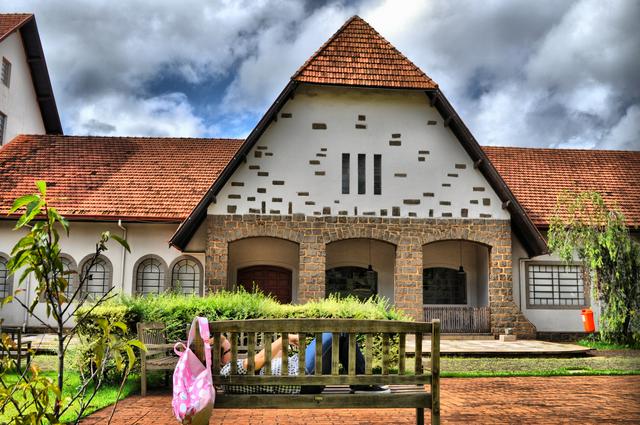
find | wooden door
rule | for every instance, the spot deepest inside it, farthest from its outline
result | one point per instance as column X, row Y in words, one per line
column 269, row 279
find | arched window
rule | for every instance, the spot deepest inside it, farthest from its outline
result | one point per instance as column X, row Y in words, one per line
column 186, row 276
column 5, row 278
column 150, row 275
column 351, row 280
column 99, row 276
column 69, row 273
column 441, row 285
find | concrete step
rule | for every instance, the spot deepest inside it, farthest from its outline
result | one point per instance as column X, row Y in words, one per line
column 461, row 336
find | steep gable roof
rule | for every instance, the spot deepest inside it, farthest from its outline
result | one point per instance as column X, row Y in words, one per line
column 10, row 22
column 356, row 55
column 26, row 24
column 110, row 178
column 537, row 176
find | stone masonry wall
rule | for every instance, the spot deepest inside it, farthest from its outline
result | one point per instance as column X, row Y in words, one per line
column 407, row 234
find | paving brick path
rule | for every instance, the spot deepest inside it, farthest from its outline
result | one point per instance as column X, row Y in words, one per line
column 581, row 400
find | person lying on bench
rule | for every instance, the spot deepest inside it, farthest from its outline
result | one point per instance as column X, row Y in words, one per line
column 276, row 366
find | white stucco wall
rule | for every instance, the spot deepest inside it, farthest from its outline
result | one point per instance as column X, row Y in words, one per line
column 18, row 101
column 545, row 319
column 355, row 252
column 143, row 239
column 429, row 166
column 475, row 259
column 263, row 251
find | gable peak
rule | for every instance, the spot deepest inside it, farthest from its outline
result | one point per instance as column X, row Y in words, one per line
column 357, row 55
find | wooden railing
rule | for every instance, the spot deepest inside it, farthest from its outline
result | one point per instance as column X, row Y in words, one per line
column 460, row 319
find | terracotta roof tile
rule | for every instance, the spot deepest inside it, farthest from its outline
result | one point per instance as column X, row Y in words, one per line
column 357, row 55
column 9, row 22
column 537, row 176
column 114, row 177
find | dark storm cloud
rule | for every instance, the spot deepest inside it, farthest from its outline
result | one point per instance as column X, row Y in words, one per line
column 547, row 73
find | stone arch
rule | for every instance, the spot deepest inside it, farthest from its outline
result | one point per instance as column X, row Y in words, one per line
column 265, row 232
column 358, row 232
column 459, row 234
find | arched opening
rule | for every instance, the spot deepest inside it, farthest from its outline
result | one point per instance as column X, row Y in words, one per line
column 150, row 275
column 99, row 276
column 5, row 277
column 360, row 267
column 455, row 285
column 186, row 275
column 269, row 264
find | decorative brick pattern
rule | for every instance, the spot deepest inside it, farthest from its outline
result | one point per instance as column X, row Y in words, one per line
column 407, row 234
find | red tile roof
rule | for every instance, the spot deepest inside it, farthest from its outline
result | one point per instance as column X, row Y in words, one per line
column 114, row 177
column 9, row 22
column 537, row 176
column 357, row 55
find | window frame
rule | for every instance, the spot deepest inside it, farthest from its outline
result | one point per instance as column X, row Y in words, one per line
column 8, row 278
column 466, row 288
column 164, row 271
column 5, row 78
column 3, row 126
column 109, row 266
column 585, row 289
column 346, row 173
column 175, row 262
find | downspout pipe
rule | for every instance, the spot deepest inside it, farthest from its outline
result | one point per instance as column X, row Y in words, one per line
column 124, row 255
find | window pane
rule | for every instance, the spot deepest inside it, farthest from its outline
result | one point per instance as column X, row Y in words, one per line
column 98, row 280
column 555, row 285
column 377, row 174
column 185, row 277
column 361, row 174
column 356, row 281
column 150, row 278
column 345, row 172
column 4, row 278
column 441, row 285
column 3, row 124
column 6, row 72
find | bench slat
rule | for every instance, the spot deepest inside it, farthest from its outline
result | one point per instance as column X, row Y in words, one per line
column 319, row 325
column 268, row 339
column 233, row 336
column 302, row 348
column 418, row 354
column 318, row 360
column 215, row 361
column 335, row 354
column 285, row 354
column 368, row 360
column 251, row 353
column 424, row 379
column 323, row 401
column 385, row 354
column 352, row 354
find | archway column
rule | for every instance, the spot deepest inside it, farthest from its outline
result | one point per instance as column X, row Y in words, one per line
column 408, row 278
column 311, row 277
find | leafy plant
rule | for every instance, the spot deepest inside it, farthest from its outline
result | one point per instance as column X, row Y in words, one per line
column 584, row 226
column 38, row 254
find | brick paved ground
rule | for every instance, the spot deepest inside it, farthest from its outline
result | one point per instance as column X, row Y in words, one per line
column 581, row 400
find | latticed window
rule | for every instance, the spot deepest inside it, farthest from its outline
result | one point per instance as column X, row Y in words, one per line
column 150, row 277
column 5, row 287
column 555, row 286
column 98, row 280
column 441, row 285
column 185, row 277
column 68, row 266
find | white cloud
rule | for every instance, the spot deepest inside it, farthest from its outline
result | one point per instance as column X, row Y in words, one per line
column 626, row 133
column 166, row 115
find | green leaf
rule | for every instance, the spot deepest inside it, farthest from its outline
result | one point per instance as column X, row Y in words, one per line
column 42, row 187
column 121, row 242
column 22, row 201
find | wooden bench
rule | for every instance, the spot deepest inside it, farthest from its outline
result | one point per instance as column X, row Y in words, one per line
column 21, row 347
column 408, row 389
column 159, row 354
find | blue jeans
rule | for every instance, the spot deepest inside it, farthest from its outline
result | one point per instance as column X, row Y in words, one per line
column 310, row 358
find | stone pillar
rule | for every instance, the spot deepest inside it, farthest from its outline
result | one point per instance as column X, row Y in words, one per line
column 217, row 258
column 504, row 311
column 311, row 277
column 407, row 278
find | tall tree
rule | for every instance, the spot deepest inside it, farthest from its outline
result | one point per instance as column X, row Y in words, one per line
column 585, row 227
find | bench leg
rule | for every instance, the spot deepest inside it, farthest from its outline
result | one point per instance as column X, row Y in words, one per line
column 420, row 416
column 143, row 379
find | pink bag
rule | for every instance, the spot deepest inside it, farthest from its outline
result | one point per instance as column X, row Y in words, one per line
column 193, row 391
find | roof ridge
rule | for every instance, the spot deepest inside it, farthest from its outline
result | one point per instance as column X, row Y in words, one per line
column 26, row 136
column 533, row 148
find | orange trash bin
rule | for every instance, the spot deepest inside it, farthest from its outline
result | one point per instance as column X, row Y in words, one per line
column 587, row 320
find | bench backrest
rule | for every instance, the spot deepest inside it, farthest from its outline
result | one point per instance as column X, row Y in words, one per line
column 153, row 336
column 268, row 329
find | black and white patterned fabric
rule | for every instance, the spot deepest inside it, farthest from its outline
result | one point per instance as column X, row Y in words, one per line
column 276, row 369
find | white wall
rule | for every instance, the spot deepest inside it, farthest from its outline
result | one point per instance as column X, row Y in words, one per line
column 475, row 258
column 18, row 101
column 355, row 252
column 143, row 239
column 262, row 251
column 544, row 319
column 288, row 145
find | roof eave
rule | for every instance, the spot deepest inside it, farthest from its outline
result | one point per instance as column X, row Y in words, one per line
column 188, row 227
column 523, row 226
column 40, row 76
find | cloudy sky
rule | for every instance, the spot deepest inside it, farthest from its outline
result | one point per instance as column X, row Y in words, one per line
column 558, row 73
